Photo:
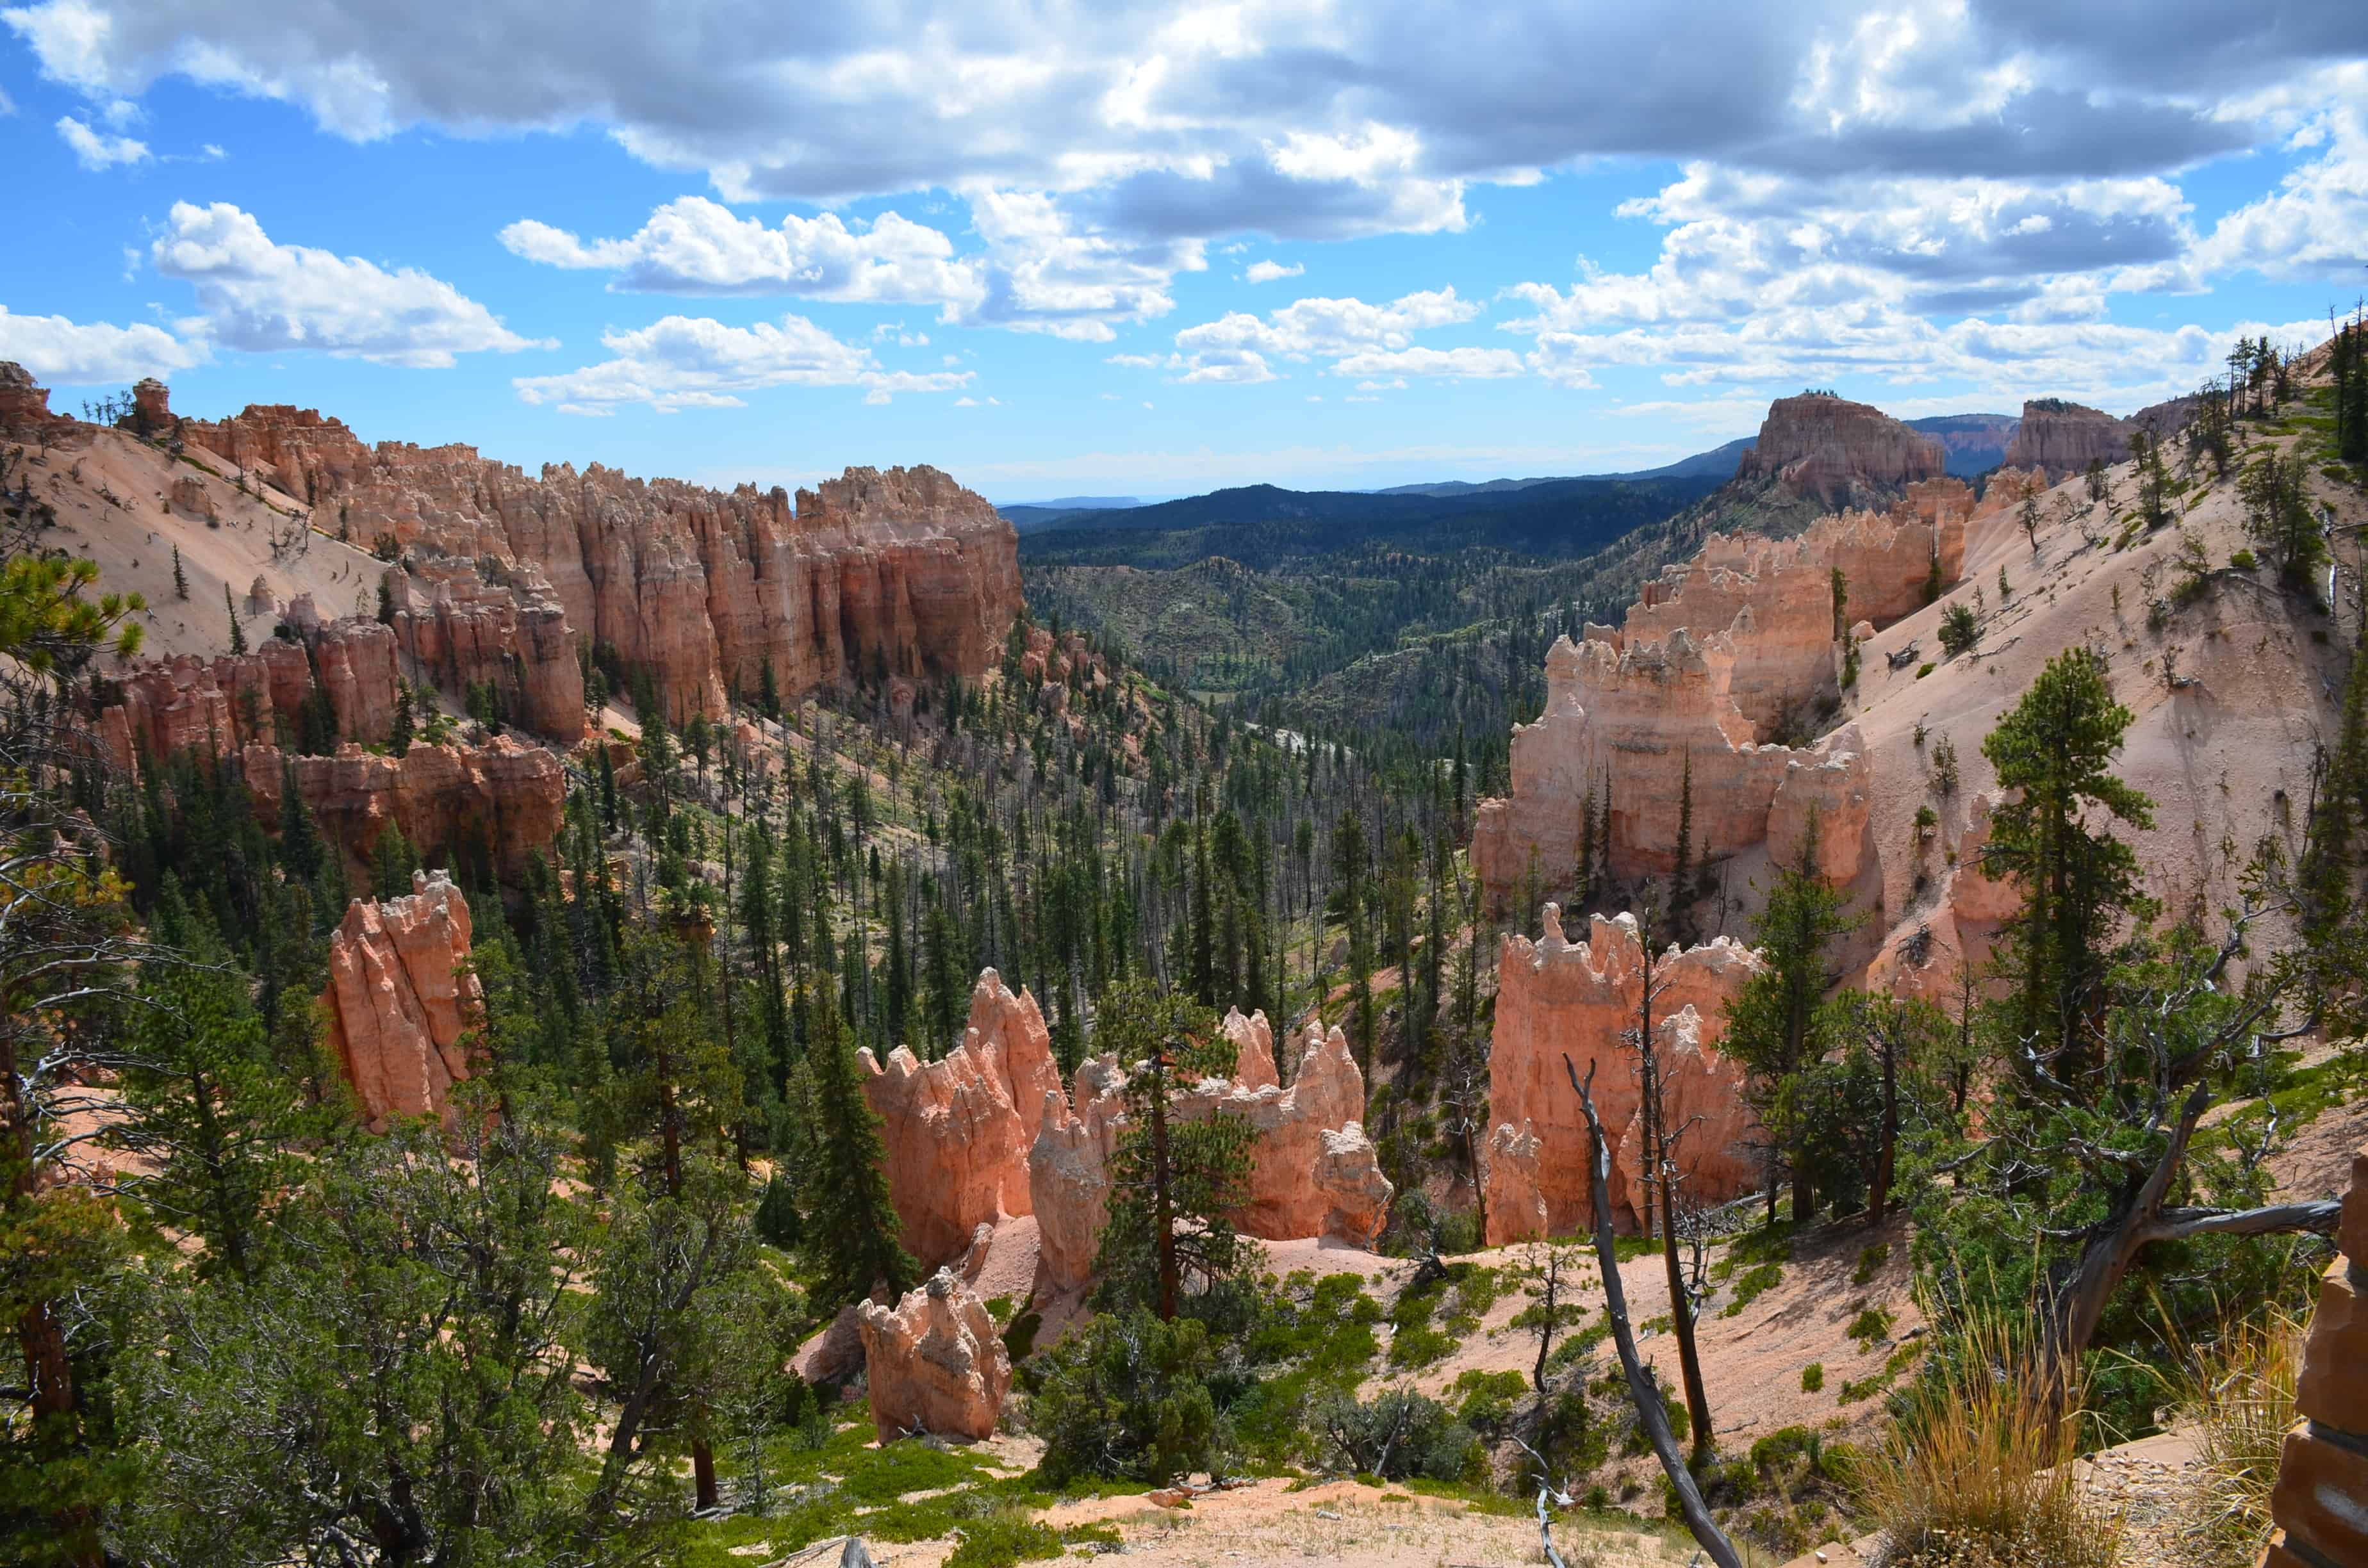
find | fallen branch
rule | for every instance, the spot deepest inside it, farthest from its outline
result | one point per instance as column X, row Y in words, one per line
column 1641, row 1390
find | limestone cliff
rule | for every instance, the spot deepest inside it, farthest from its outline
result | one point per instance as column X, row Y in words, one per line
column 2066, row 437
column 1820, row 445
column 500, row 800
column 895, row 573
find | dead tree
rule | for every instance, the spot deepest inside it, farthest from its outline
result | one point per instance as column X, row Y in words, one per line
column 1641, row 1390
column 1656, row 1170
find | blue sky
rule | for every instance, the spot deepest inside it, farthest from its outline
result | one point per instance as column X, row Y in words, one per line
column 1156, row 249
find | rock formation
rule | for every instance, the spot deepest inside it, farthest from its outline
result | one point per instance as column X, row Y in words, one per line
column 1651, row 723
column 170, row 706
column 1556, row 997
column 934, row 1364
column 25, row 407
column 1314, row 1172
column 1820, row 445
column 902, row 572
column 460, row 626
column 1068, row 1170
column 501, row 799
column 1715, row 660
column 2066, row 437
column 957, row 1138
column 2320, row 1504
column 397, row 1004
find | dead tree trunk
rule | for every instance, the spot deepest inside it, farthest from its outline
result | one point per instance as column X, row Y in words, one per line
column 1641, row 1390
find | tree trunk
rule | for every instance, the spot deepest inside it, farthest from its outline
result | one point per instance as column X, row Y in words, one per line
column 1641, row 1390
column 1879, row 1200
column 702, row 1470
column 1163, row 1213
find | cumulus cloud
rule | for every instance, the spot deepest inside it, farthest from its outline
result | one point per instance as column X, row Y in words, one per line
column 92, row 353
column 2315, row 223
column 680, row 362
column 1359, row 337
column 262, row 297
column 693, row 245
column 1177, row 123
column 1269, row 271
column 95, row 151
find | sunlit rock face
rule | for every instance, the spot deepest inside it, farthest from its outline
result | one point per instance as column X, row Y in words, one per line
column 400, row 1003
column 1558, row 998
column 882, row 574
column 933, row 1364
column 1819, row 445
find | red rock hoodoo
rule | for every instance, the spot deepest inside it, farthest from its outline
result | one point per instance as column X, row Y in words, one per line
column 934, row 1363
column 399, row 1004
column 500, row 798
column 2321, row 1501
column 1555, row 996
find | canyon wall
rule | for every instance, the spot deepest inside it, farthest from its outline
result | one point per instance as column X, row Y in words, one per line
column 501, row 797
column 2064, row 437
column 1558, row 997
column 878, row 575
column 215, row 707
column 1820, row 444
column 1718, row 658
column 1648, row 726
column 398, row 1006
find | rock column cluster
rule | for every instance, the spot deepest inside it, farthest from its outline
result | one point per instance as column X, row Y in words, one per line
column 933, row 1364
column 2321, row 1502
column 400, row 1003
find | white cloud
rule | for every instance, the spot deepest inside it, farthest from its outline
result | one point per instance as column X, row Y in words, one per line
column 693, row 245
column 682, row 362
column 96, row 150
column 7, row 106
column 2315, row 223
column 1269, row 271
column 261, row 297
column 94, row 353
column 1476, row 363
column 1361, row 340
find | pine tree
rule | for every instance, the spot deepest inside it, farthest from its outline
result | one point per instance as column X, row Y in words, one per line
column 856, row 1234
column 399, row 731
column 392, row 860
column 1682, row 870
column 2054, row 754
column 237, row 632
column 1777, row 1027
column 180, row 578
column 1174, row 1185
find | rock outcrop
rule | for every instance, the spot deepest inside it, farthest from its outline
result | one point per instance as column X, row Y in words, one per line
column 399, row 1004
column 25, row 407
column 1646, row 727
column 878, row 575
column 1314, row 1172
column 934, row 1364
column 1555, row 997
column 1820, row 445
column 1715, row 661
column 460, row 626
column 957, row 1137
column 2066, row 437
column 500, row 801
column 2320, row 1504
column 215, row 707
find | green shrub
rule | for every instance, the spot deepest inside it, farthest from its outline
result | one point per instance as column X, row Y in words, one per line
column 1869, row 1261
column 1961, row 632
column 1401, row 1434
column 1003, row 1538
column 1128, row 1399
column 1813, row 1377
column 1748, row 1288
column 1871, row 1325
column 1925, row 669
column 2243, row 561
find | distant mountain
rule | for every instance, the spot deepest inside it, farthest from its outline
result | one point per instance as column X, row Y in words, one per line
column 1082, row 503
column 1976, row 442
column 1719, row 464
column 1259, row 525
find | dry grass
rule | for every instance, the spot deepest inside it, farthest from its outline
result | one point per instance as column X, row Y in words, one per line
column 1979, row 1473
column 2240, row 1393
